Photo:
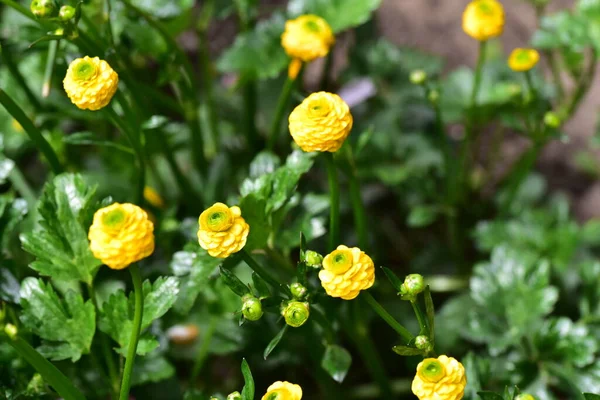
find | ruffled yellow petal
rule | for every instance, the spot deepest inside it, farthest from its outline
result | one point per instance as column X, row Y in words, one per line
column 222, row 230
column 441, row 378
column 307, row 37
column 283, row 391
column 347, row 271
column 90, row 83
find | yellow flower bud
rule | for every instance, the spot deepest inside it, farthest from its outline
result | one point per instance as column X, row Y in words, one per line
column 90, row 83
column 322, row 122
column 283, row 391
column 153, row 198
column 441, row 378
column 522, row 60
column 121, row 234
column 222, row 230
column 483, row 19
column 347, row 271
column 307, row 37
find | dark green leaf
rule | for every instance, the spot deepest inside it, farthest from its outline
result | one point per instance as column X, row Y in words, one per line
column 302, row 245
column 407, row 351
column 66, row 327
column 271, row 346
column 489, row 396
column 340, row 14
column 394, row 280
column 233, row 282
column 336, row 361
column 248, row 390
column 591, row 396
column 60, row 244
column 88, row 138
column 261, row 286
column 151, row 369
column 9, row 286
column 254, row 213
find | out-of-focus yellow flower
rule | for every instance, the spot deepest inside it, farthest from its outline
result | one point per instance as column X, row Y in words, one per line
column 121, row 234
column 90, row 83
column 283, row 391
column 16, row 126
column 294, row 68
column 307, row 37
column 222, row 230
column 441, row 378
column 153, row 198
column 347, row 271
column 522, row 60
column 483, row 19
column 322, row 122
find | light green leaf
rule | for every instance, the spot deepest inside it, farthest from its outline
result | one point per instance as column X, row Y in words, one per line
column 151, row 369
column 422, row 216
column 164, row 8
column 559, row 339
column 336, row 361
column 254, row 213
column 116, row 317
column 248, row 390
column 274, row 342
column 60, row 244
column 406, row 351
column 340, row 14
column 66, row 327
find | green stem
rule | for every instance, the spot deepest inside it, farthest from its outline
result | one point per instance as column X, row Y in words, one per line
column 34, row 134
column 260, row 271
column 18, row 77
column 282, row 105
column 47, row 370
column 420, row 317
column 203, row 351
column 478, row 75
column 395, row 325
column 334, row 195
column 326, row 78
column 135, row 330
column 49, row 71
column 108, row 16
column 358, row 207
column 555, row 68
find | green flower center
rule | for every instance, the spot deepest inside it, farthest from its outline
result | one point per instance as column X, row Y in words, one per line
column 84, row 70
column 485, row 8
column 312, row 26
column 432, row 370
column 113, row 218
column 340, row 261
column 523, row 57
column 218, row 221
column 273, row 396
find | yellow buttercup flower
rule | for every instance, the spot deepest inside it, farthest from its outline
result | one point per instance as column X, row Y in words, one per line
column 522, row 60
column 283, row 391
column 222, row 230
column 307, row 37
column 322, row 122
column 121, row 234
column 483, row 19
column 441, row 378
column 90, row 83
column 347, row 271
column 153, row 198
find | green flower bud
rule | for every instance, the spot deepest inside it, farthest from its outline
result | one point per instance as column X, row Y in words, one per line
column 313, row 259
column 11, row 331
column 418, row 77
column 296, row 313
column 234, row 396
column 298, row 290
column 422, row 342
column 433, row 96
column 66, row 13
column 524, row 396
column 552, row 120
column 251, row 308
column 414, row 284
column 44, row 8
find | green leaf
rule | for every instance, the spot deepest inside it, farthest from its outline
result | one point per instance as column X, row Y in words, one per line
column 254, row 212
column 195, row 268
column 257, row 54
column 66, row 327
column 9, row 286
column 248, row 390
column 336, row 361
column 340, row 14
column 591, row 396
column 261, row 286
column 116, row 317
column 490, row 396
column 430, row 311
column 151, row 369
column 60, row 244
column 233, row 282
column 561, row 340
column 273, row 343
column 88, row 138
column 394, row 280
column 164, row 8
column 406, row 351
column 264, row 163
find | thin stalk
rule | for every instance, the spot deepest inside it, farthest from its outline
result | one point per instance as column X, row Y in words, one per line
column 34, row 134
column 395, row 325
column 555, row 68
column 260, row 271
column 282, row 104
column 420, row 316
column 47, row 370
column 358, row 208
column 334, row 196
column 49, row 71
column 18, row 77
column 203, row 351
column 135, row 330
column 108, row 16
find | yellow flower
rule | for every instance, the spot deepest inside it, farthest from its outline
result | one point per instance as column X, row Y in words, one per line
column 483, row 19
column 90, row 83
column 283, row 391
column 222, row 230
column 294, row 68
column 307, row 37
column 347, row 271
column 441, row 378
column 522, row 60
column 321, row 122
column 153, row 198
column 121, row 234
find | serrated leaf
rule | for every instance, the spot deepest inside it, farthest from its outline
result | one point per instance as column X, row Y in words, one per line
column 336, row 361
column 233, row 282
column 340, row 14
column 406, row 351
column 66, row 327
column 151, row 369
column 559, row 339
column 274, row 342
column 248, row 390
column 394, row 280
column 116, row 317
column 60, row 244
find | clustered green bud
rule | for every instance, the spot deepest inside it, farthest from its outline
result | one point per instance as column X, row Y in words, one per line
column 298, row 290
column 234, row 396
column 524, row 396
column 412, row 286
column 313, row 259
column 418, row 77
column 44, row 8
column 66, row 13
column 296, row 313
column 251, row 308
column 552, row 120
column 422, row 342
